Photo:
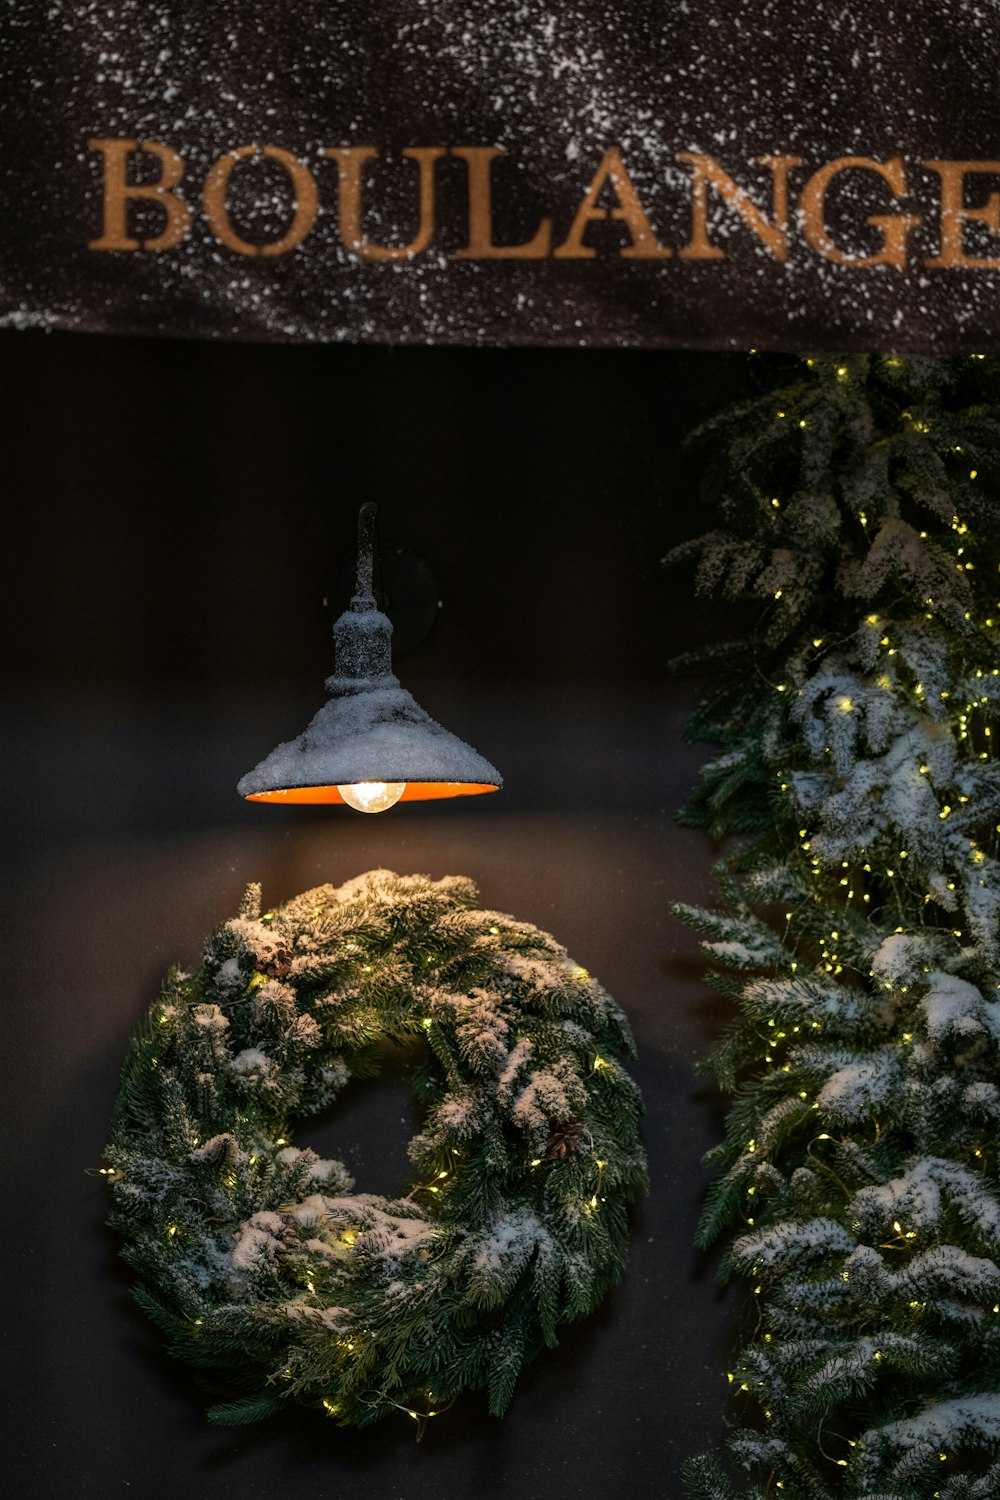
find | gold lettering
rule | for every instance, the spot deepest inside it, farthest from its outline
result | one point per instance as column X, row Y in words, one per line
column 629, row 210
column 350, row 160
column 894, row 228
column 955, row 213
column 217, row 214
column 479, row 161
column 707, row 172
column 118, row 191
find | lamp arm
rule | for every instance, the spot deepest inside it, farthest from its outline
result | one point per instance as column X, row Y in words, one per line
column 368, row 585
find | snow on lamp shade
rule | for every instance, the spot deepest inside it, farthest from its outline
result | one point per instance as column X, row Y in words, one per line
column 371, row 745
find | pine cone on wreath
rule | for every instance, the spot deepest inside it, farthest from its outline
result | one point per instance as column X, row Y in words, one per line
column 563, row 1138
column 277, row 963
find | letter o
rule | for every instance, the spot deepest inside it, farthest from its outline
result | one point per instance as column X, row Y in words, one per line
column 217, row 214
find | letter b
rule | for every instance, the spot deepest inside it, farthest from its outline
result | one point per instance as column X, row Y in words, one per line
column 118, row 190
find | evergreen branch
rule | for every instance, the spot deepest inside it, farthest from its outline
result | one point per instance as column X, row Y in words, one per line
column 857, row 506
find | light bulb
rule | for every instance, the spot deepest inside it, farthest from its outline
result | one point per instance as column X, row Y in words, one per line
column 372, row 796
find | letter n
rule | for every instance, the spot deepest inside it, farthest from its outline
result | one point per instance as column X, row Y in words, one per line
column 708, row 173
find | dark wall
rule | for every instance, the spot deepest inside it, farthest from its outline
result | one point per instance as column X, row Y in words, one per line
column 175, row 515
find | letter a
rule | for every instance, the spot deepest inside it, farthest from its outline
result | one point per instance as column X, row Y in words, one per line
column 644, row 246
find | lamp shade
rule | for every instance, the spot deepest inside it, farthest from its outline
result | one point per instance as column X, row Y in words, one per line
column 371, row 731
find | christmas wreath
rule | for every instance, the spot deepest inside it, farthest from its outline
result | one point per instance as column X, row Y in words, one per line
column 262, row 1266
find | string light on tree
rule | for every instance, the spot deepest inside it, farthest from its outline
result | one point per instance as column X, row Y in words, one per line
column 860, row 930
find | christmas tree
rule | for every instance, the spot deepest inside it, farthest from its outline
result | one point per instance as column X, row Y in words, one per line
column 858, row 938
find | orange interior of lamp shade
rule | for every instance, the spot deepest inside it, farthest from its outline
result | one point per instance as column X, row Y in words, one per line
column 416, row 791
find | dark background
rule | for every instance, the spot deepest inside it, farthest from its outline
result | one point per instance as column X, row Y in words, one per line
column 174, row 514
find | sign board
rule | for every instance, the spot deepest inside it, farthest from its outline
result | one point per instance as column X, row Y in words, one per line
column 705, row 173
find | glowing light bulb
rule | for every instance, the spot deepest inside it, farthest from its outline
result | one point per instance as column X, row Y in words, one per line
column 372, row 796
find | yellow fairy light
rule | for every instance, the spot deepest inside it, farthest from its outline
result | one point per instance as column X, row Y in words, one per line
column 845, row 704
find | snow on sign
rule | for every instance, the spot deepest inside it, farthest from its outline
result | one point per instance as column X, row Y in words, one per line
column 701, row 173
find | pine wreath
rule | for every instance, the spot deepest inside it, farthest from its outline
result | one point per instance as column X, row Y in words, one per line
column 259, row 1262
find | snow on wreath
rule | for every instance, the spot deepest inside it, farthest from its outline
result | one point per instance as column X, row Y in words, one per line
column 256, row 1258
